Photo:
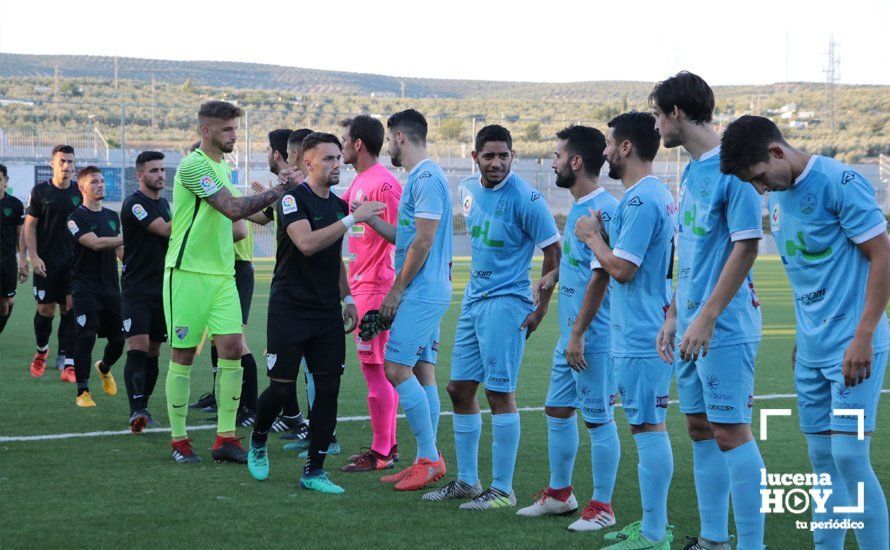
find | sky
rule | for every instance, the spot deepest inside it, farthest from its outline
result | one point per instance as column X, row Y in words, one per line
column 726, row 42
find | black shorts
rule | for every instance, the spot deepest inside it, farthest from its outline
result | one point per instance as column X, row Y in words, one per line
column 290, row 338
column 144, row 315
column 99, row 312
column 244, row 284
column 9, row 278
column 53, row 288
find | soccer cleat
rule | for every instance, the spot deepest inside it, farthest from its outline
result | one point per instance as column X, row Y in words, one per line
column 228, row 449
column 67, row 375
column 368, row 461
column 393, row 454
column 398, row 476
column 632, row 530
column 457, row 489
column 183, row 453
column 547, row 504
column 595, row 516
column 204, row 401
column 210, row 409
column 279, row 426
column 423, row 472
column 297, row 446
column 298, row 429
column 138, row 421
column 333, row 449
column 320, row 482
column 698, row 543
column 258, row 462
column 151, row 421
column 246, row 418
column 108, row 384
column 38, row 364
column 636, row 541
column 85, row 400
column 491, row 499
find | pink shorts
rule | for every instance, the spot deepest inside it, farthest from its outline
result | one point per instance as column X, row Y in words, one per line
column 375, row 350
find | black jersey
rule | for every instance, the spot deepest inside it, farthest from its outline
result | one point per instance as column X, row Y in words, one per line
column 12, row 216
column 94, row 272
column 307, row 286
column 144, row 252
column 52, row 206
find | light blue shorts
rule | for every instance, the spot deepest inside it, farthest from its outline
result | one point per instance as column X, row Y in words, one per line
column 488, row 343
column 644, row 386
column 720, row 385
column 414, row 335
column 592, row 390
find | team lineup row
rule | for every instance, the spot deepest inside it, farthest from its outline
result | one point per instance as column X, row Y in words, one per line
column 630, row 320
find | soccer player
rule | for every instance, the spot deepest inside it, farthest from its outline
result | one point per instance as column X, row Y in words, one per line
column 833, row 240
column 12, row 217
column 94, row 283
column 51, row 250
column 582, row 376
column 199, row 284
column 420, row 293
column 506, row 218
column 145, row 220
column 371, row 274
column 305, row 316
column 640, row 265
column 715, row 316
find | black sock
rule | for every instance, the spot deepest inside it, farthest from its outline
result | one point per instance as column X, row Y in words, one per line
column 43, row 328
column 323, row 419
column 5, row 318
column 82, row 387
column 269, row 406
column 249, row 382
column 67, row 334
column 83, row 354
column 151, row 377
column 292, row 405
column 214, row 366
column 134, row 378
column 114, row 348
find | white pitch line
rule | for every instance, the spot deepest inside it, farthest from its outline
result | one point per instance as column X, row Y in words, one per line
column 47, row 437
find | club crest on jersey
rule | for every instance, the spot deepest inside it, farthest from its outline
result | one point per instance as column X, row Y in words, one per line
column 270, row 360
column 7, row 211
column 75, row 201
column 500, row 208
column 72, row 227
column 181, row 332
column 774, row 218
column 808, row 204
column 288, row 204
column 208, row 185
column 41, row 294
column 81, row 320
column 139, row 212
column 112, row 224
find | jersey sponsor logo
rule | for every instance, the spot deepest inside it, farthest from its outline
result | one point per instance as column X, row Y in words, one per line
column 208, row 185
column 288, row 204
column 482, row 231
column 792, row 248
column 181, row 332
column 774, row 218
column 808, row 204
column 481, row 274
column 661, row 401
column 271, row 358
column 72, row 227
column 127, row 324
column 357, row 231
column 139, row 211
column 690, row 219
column 635, row 202
column 566, row 290
column 81, row 320
column 811, row 298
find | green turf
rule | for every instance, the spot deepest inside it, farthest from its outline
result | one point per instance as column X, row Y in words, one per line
column 125, row 492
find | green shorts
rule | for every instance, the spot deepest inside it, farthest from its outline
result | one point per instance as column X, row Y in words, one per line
column 195, row 302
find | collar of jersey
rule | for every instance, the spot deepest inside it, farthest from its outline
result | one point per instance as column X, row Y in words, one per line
column 644, row 178
column 806, row 171
column 499, row 186
column 708, row 154
column 417, row 167
column 590, row 196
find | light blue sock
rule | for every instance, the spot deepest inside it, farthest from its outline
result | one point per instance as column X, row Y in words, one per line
column 467, row 431
column 851, row 456
column 505, row 434
column 310, row 386
column 744, row 464
column 432, row 397
column 605, row 453
column 417, row 410
column 655, row 469
column 562, row 445
column 819, row 447
column 711, row 475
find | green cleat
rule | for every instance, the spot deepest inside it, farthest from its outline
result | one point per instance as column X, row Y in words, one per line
column 625, row 532
column 297, row 446
column 333, row 449
column 258, row 462
column 320, row 483
column 631, row 538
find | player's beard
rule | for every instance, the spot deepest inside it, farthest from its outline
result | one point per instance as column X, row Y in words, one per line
column 395, row 158
column 616, row 170
column 333, row 178
column 225, row 148
column 565, row 181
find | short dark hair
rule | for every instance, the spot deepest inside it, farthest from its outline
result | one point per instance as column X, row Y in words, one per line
column 368, row 129
column 66, row 149
column 493, row 132
column 315, row 139
column 88, row 171
column 222, row 110
column 687, row 91
column 639, row 129
column 746, row 142
column 411, row 123
column 278, row 141
column 194, row 146
column 147, row 156
column 586, row 142
column 296, row 138
column 3, row 171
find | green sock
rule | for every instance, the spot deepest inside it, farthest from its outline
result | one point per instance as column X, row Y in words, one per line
column 177, row 397
column 228, row 379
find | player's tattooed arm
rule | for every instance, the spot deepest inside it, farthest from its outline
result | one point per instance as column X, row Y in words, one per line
column 593, row 299
column 858, row 356
column 552, row 255
column 238, row 208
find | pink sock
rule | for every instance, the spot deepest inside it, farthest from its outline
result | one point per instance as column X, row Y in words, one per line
column 382, row 404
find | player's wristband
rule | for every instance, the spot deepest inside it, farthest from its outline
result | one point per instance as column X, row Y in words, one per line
column 348, row 300
column 348, row 221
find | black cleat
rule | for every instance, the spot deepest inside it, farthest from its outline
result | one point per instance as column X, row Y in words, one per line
column 152, row 423
column 229, row 449
column 294, row 428
column 183, row 453
column 246, row 418
column 138, row 421
column 205, row 400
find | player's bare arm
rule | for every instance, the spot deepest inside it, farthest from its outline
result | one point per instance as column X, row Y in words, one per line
column 589, row 230
column 859, row 355
column 97, row 244
column 593, row 299
column 552, row 255
column 415, row 257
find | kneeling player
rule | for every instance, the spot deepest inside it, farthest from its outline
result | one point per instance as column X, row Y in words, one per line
column 95, row 289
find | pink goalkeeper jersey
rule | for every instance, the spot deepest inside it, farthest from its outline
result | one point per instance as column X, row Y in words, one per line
column 370, row 255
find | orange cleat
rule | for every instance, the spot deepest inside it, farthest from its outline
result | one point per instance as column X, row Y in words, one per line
column 398, row 476
column 38, row 365
column 68, row 375
column 423, row 472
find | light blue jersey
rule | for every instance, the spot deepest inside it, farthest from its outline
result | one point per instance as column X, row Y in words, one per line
column 426, row 195
column 642, row 232
column 575, row 273
column 715, row 211
column 505, row 224
column 817, row 224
